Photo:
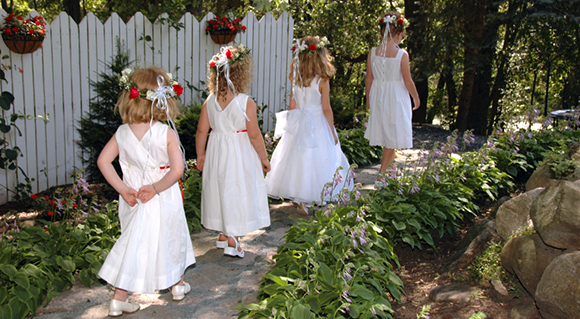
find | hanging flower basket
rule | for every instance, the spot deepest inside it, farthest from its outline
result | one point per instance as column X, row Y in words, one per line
column 224, row 29
column 23, row 35
column 23, row 43
column 223, row 37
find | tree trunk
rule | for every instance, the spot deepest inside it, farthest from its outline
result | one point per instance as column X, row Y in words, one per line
column 195, row 8
column 73, row 9
column 414, row 12
column 474, row 18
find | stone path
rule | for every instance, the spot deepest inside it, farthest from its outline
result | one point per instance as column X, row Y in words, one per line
column 219, row 283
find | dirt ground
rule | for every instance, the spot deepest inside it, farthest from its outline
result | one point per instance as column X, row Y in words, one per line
column 422, row 271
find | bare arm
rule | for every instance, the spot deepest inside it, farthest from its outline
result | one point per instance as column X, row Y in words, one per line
column 255, row 134
column 177, row 166
column 292, row 102
column 201, row 136
column 105, row 164
column 324, row 88
column 406, row 70
column 369, row 79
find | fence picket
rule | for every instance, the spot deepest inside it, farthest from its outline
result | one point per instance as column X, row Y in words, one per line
column 55, row 79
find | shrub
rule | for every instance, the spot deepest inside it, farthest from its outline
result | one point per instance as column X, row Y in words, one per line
column 187, row 126
column 100, row 123
column 192, row 196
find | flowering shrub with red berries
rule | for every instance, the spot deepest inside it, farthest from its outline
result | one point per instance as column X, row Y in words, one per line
column 224, row 23
column 15, row 25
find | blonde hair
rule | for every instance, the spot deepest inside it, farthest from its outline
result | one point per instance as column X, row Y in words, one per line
column 138, row 110
column 312, row 63
column 395, row 28
column 240, row 75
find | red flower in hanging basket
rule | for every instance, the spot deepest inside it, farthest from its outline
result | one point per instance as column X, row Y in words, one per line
column 34, row 196
column 14, row 25
column 225, row 23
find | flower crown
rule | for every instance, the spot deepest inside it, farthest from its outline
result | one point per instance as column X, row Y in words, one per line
column 302, row 47
column 392, row 20
column 148, row 94
column 225, row 56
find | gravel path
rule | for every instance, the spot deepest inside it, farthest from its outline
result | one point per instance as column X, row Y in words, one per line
column 219, row 283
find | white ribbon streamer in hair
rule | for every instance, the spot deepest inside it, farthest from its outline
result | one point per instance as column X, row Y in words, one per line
column 159, row 99
column 387, row 34
column 222, row 62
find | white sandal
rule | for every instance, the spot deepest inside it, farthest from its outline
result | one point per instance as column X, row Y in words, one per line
column 233, row 251
column 221, row 243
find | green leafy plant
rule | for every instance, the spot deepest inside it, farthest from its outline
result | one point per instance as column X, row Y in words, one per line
column 561, row 165
column 356, row 147
column 488, row 264
column 37, row 263
column 192, row 196
column 336, row 266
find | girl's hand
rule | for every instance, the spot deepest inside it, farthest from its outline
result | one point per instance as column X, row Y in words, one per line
column 417, row 103
column 146, row 193
column 200, row 161
column 266, row 165
column 130, row 196
column 335, row 138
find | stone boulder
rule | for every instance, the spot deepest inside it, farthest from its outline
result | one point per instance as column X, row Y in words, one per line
column 558, row 292
column 556, row 214
column 527, row 257
column 513, row 216
column 540, row 178
column 476, row 240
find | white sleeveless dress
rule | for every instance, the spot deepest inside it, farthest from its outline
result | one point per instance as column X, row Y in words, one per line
column 233, row 195
column 389, row 122
column 306, row 157
column 154, row 248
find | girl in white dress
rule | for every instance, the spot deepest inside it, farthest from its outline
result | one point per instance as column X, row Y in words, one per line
column 154, row 248
column 233, row 196
column 309, row 153
column 388, row 84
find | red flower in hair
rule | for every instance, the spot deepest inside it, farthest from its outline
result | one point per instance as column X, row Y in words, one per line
column 178, row 89
column 134, row 93
column 212, row 64
column 401, row 21
column 294, row 48
column 312, row 47
column 229, row 54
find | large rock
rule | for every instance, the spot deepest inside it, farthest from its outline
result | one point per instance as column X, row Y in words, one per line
column 556, row 214
column 540, row 178
column 558, row 292
column 527, row 257
column 513, row 216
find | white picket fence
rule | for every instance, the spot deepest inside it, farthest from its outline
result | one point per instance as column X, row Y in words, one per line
column 54, row 80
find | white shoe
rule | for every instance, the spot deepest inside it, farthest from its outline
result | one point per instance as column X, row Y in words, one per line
column 233, row 251
column 221, row 243
column 179, row 291
column 118, row 307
